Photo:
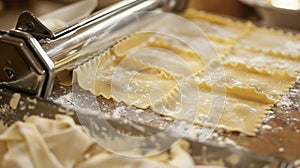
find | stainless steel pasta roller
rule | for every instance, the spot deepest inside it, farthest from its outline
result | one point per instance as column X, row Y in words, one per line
column 34, row 53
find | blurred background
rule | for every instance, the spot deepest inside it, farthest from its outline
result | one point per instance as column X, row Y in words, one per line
column 260, row 11
column 11, row 9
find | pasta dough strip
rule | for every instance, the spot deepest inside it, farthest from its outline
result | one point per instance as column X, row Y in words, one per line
column 217, row 27
column 41, row 142
column 67, row 146
column 263, row 60
column 251, row 88
column 126, row 79
column 272, row 41
column 272, row 84
column 243, row 110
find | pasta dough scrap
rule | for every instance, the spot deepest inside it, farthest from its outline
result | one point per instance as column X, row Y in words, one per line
column 41, row 142
column 60, row 143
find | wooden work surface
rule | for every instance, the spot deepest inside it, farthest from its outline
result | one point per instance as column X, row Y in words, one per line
column 278, row 136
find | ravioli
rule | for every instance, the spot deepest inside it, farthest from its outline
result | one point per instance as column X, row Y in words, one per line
column 272, row 84
column 275, row 41
column 217, row 27
column 250, row 60
column 263, row 60
column 242, row 105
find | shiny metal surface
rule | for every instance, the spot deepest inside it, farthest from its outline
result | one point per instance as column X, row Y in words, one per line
column 29, row 23
column 78, row 36
column 37, row 54
column 178, row 5
column 291, row 4
column 25, row 65
column 277, row 15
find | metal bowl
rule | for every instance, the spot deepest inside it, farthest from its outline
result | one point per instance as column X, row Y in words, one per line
column 277, row 13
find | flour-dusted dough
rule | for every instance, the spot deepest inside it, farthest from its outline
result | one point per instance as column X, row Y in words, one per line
column 272, row 84
column 272, row 40
column 144, row 64
column 242, row 105
column 177, row 158
column 217, row 27
column 60, row 143
column 128, row 80
column 263, row 60
column 41, row 142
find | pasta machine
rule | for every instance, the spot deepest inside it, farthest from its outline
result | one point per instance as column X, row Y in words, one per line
column 33, row 54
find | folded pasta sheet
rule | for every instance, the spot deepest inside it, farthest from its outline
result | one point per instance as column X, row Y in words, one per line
column 147, row 70
column 60, row 143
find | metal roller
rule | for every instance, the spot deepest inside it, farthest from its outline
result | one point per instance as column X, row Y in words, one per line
column 33, row 54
